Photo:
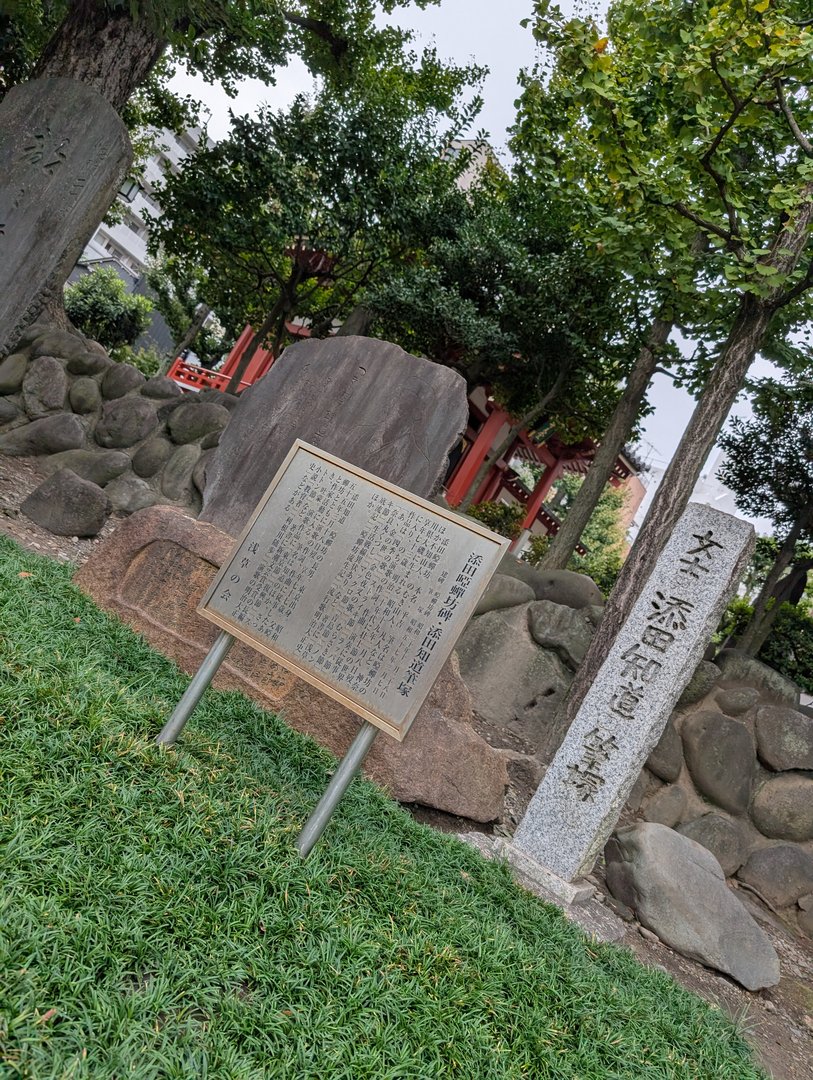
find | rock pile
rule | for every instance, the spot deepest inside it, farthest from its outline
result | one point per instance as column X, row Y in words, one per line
column 112, row 438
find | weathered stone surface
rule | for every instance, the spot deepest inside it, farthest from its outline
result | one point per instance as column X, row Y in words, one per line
column 199, row 472
column 176, row 478
column 736, row 700
column 512, row 681
column 703, row 679
column 666, row 807
column 125, row 421
column 219, row 397
column 84, row 396
column 128, row 494
column 566, row 631
column 367, row 402
column 54, row 197
column 30, row 334
column 738, row 667
column 193, row 421
column 152, row 572
column 62, row 431
column 666, row 760
column 8, row 411
column 12, row 372
column 559, row 586
column 805, row 920
column 89, row 361
column 152, row 455
column 97, row 466
column 678, row 891
column 45, row 387
column 159, row 386
column 781, row 873
column 624, row 711
column 67, row 505
column 120, row 379
column 784, row 738
column 64, row 344
column 168, row 408
column 806, row 902
column 722, row 836
column 721, row 756
column 210, row 441
column 502, row 592
column 783, row 807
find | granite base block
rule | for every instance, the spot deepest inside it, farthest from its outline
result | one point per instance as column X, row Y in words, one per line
column 524, row 867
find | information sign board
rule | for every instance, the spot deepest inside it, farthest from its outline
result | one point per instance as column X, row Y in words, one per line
column 357, row 586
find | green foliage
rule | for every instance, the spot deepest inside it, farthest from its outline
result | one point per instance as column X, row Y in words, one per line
column 159, row 922
column 177, row 286
column 789, row 647
column 99, row 305
column 148, row 361
column 503, row 518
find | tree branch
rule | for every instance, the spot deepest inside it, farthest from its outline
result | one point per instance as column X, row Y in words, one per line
column 798, row 135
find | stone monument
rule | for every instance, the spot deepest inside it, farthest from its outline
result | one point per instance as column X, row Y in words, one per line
column 63, row 154
column 576, row 806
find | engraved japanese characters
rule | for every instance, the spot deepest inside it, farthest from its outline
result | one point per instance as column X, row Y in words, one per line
column 623, row 714
column 358, row 587
column 63, row 154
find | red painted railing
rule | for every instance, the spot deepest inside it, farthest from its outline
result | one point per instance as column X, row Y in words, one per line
column 192, row 377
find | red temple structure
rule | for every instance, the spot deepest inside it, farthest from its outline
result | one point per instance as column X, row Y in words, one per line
column 487, row 427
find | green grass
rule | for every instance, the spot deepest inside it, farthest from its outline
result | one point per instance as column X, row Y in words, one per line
column 157, row 922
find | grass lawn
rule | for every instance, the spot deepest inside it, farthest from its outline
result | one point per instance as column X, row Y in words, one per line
column 156, row 920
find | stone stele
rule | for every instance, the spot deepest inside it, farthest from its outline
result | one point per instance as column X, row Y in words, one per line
column 366, row 401
column 623, row 714
column 63, row 154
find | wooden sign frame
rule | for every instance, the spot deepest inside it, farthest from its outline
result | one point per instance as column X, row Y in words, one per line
column 355, row 702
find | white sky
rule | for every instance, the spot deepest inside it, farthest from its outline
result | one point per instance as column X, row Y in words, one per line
column 463, row 30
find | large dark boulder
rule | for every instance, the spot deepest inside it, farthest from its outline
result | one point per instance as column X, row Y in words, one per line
column 677, row 889
column 783, row 807
column 176, row 479
column 67, row 505
column 722, row 836
column 128, row 493
column 721, row 756
column 784, row 738
column 781, row 873
column 736, row 700
column 703, row 678
column 152, row 455
column 62, row 431
column 502, row 592
column 666, row 760
column 45, row 387
column 125, row 422
column 739, row 667
column 559, row 586
column 12, row 372
column 193, row 421
column 97, row 466
column 85, row 396
column 120, row 379
column 159, row 386
column 564, row 630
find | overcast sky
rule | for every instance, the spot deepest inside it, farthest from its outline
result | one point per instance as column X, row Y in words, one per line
column 490, row 34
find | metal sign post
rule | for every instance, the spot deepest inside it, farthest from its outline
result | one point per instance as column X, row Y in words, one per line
column 196, row 689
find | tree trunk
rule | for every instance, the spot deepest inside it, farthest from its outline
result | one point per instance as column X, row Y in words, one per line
column 564, row 542
column 356, row 322
column 201, row 315
column 495, row 456
column 108, row 51
column 269, row 323
column 764, row 613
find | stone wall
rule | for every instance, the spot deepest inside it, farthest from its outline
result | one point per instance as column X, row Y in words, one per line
column 111, row 438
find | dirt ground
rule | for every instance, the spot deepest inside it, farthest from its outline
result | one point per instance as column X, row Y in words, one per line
column 777, row 1022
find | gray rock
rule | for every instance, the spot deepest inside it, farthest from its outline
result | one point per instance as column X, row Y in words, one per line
column 783, row 807
column 564, row 630
column 806, row 902
column 30, row 334
column 736, row 700
column 366, row 401
column 219, row 397
column 120, row 379
column 722, row 836
column 176, row 478
column 705, row 676
column 666, row 760
column 128, row 493
column 560, row 586
column 152, row 456
column 62, row 431
column 210, row 441
column 12, row 371
column 677, row 889
column 784, row 738
column 502, row 592
column 199, row 472
column 159, row 386
column 738, row 667
column 192, row 422
column 125, row 421
column 45, row 387
column 97, row 466
column 594, row 613
column 168, row 408
column 67, row 505
column 90, row 361
column 643, row 786
column 721, row 756
column 512, row 681
column 85, row 396
column 65, row 344
column 805, row 921
column 667, row 806
column 8, row 411
column 781, row 873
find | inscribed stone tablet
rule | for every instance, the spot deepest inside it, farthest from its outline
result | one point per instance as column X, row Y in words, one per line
column 625, row 710
column 63, row 154
column 359, row 588
column 366, row 401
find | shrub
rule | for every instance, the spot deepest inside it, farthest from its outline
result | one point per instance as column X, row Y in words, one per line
column 503, row 518
column 148, row 361
column 99, row 305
